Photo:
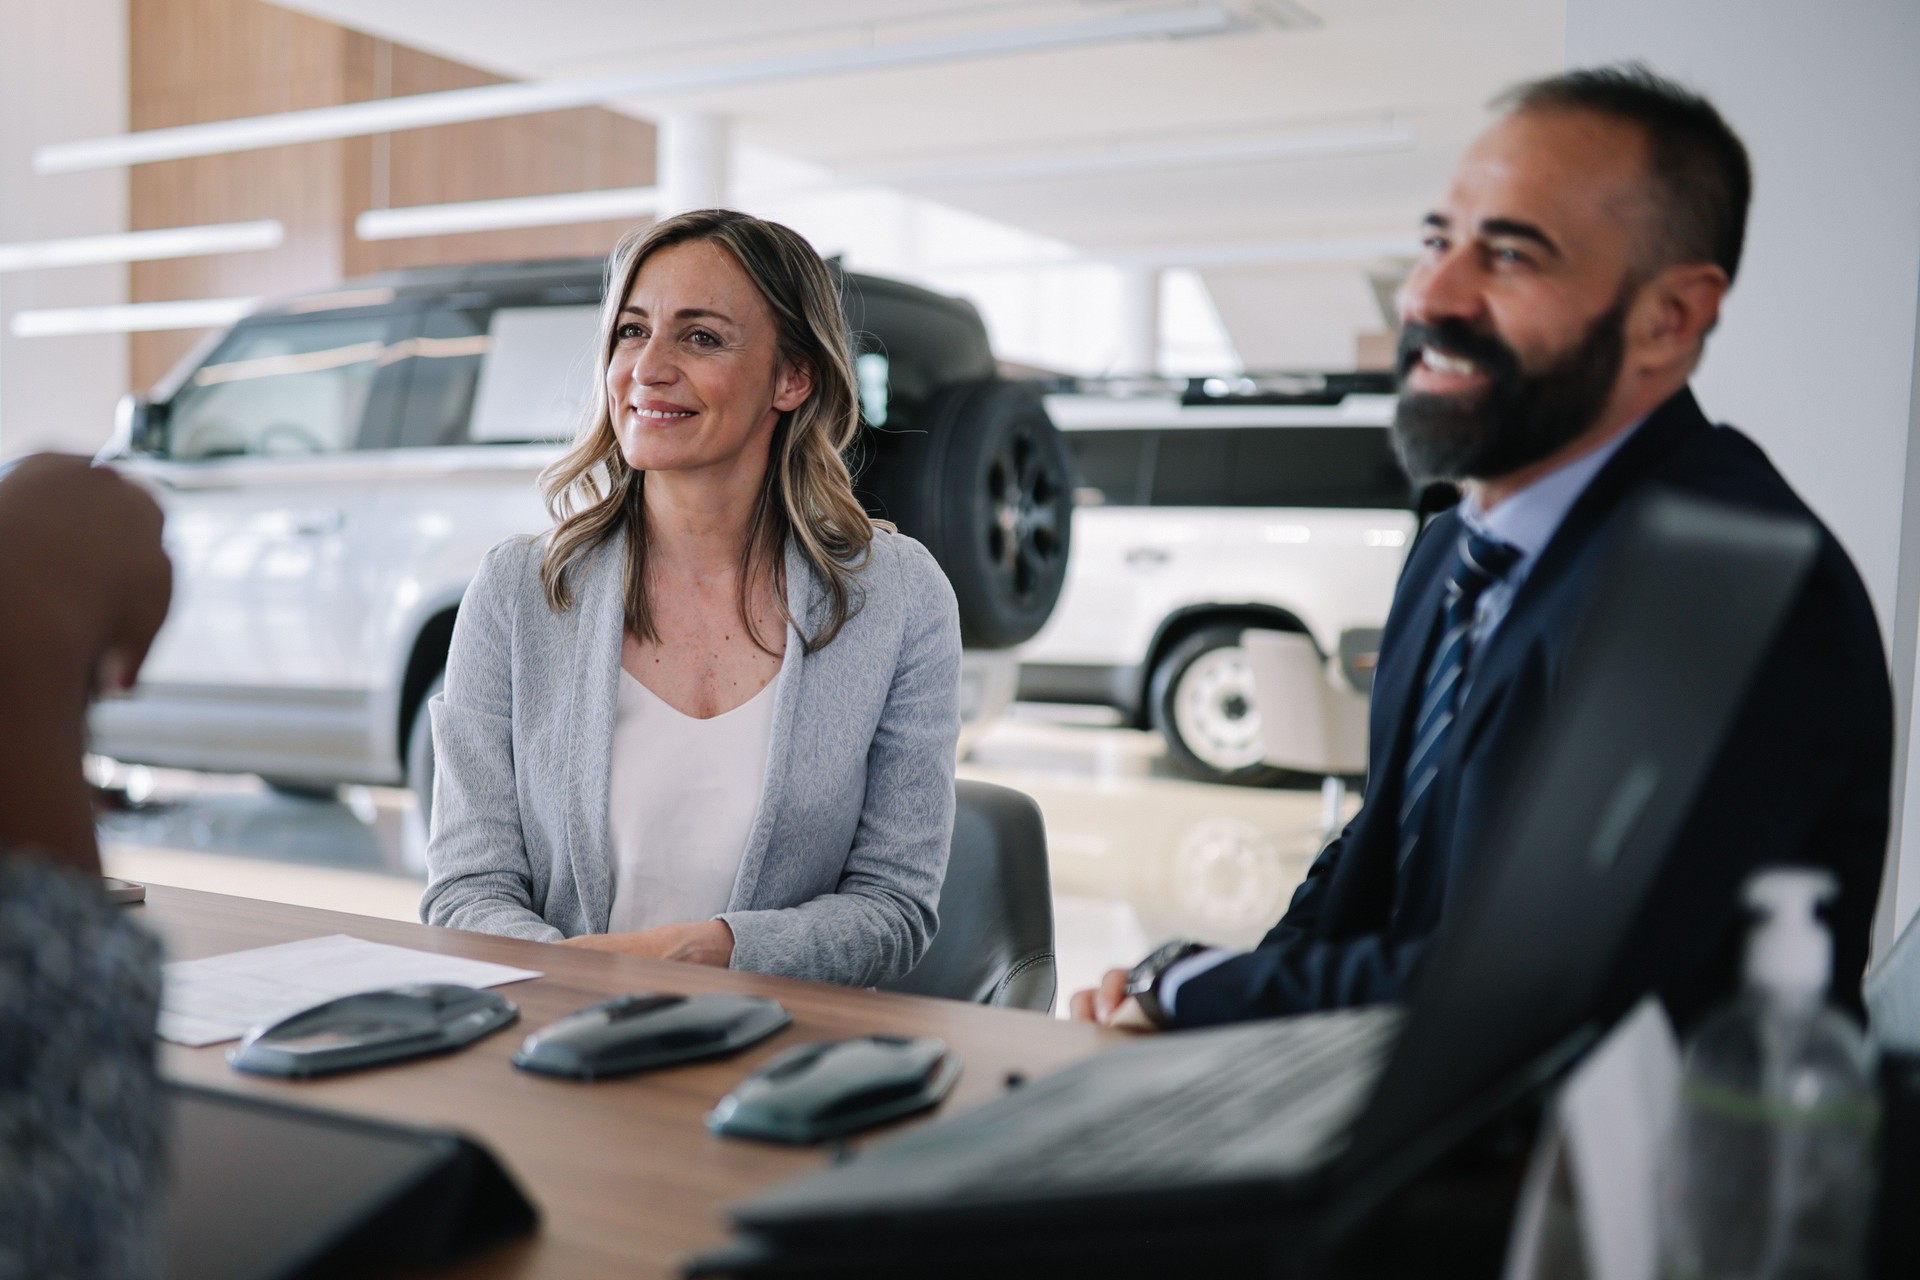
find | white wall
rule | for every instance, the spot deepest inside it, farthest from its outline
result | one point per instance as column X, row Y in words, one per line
column 1302, row 317
column 1816, row 355
column 63, row 74
column 1043, row 302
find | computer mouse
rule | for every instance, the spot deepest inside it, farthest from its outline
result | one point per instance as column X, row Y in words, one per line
column 817, row 1091
column 372, row 1029
column 640, row 1032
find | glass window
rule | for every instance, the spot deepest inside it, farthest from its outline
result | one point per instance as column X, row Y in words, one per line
column 443, row 366
column 1195, row 467
column 292, row 388
column 1318, row 467
column 1350, row 467
column 539, row 375
column 1112, row 463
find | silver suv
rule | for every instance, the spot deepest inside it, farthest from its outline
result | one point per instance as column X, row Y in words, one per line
column 334, row 467
column 1208, row 508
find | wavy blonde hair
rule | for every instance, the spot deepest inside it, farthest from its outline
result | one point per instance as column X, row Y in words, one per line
column 807, row 495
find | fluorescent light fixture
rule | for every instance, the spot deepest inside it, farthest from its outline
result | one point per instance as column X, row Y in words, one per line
column 1278, row 253
column 490, row 102
column 1268, row 253
column 132, row 317
column 493, row 215
column 1290, row 146
column 142, row 246
column 1286, row 14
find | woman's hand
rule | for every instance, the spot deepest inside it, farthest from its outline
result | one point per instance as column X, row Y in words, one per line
column 709, row 942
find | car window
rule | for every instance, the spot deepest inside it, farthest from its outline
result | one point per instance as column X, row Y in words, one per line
column 1345, row 467
column 1117, row 465
column 442, row 364
column 1318, row 467
column 539, row 373
column 1194, row 467
column 293, row 388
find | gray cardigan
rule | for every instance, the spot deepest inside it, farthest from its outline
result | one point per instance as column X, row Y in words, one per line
column 841, row 876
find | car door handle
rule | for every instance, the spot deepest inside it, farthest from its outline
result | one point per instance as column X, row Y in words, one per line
column 1147, row 557
column 316, row 524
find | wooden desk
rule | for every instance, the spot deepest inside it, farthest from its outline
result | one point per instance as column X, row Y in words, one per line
column 628, row 1180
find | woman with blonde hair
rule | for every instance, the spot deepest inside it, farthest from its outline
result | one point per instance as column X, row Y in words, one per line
column 711, row 715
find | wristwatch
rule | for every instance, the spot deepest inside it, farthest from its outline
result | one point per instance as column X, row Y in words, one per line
column 1143, row 980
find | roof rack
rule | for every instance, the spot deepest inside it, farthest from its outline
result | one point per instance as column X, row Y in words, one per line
column 1288, row 388
column 1314, row 388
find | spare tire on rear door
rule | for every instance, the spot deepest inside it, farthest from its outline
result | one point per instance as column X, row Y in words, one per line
column 983, row 479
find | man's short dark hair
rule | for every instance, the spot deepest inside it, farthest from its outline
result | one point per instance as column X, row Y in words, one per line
column 1700, row 176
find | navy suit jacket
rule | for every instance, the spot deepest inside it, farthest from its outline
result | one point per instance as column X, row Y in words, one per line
column 1804, row 775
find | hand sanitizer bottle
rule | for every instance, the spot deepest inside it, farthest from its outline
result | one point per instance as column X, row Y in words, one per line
column 1770, row 1165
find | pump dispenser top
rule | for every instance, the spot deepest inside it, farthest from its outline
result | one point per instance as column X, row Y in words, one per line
column 1789, row 953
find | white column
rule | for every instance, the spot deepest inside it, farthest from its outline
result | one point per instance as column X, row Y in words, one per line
column 1139, row 321
column 1815, row 355
column 63, row 75
column 693, row 166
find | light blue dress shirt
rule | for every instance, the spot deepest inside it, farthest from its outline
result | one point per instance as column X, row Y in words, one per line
column 1526, row 521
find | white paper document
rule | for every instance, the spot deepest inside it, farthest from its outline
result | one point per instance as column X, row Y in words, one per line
column 1605, row 1136
column 222, row 997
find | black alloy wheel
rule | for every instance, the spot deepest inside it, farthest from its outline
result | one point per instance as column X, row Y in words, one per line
column 985, row 481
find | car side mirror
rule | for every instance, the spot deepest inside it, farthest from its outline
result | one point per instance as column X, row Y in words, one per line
column 138, row 425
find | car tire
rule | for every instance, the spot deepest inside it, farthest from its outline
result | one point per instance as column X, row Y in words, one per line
column 983, row 479
column 1201, row 698
column 420, row 764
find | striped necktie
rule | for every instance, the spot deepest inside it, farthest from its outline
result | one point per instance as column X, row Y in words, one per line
column 1478, row 563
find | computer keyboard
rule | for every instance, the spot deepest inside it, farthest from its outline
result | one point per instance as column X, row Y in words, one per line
column 1267, row 1098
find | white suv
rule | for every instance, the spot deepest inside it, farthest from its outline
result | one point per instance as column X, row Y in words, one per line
column 1234, row 504
column 334, row 467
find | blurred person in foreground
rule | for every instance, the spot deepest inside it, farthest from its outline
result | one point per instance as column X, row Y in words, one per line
column 711, row 715
column 1562, row 300
column 83, row 588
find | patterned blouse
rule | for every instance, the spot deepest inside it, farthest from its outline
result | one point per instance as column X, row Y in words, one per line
column 81, row 1112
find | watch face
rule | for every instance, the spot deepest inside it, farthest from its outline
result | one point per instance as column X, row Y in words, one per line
column 1142, row 976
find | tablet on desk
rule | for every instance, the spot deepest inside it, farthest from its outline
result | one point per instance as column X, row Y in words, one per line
column 260, row 1189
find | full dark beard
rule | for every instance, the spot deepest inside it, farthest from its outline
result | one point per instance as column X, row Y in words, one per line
column 1521, row 418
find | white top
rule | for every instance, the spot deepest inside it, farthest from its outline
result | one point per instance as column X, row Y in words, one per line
column 682, row 801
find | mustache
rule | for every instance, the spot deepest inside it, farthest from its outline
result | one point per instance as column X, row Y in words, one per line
column 1457, row 338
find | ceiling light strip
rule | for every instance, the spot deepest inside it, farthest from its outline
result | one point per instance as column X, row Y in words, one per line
column 1278, row 253
column 132, row 317
column 1202, row 256
column 1187, row 155
column 142, row 246
column 495, row 215
column 496, row 101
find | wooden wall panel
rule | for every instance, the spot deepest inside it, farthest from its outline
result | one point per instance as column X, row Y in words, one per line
column 558, row 151
column 199, row 60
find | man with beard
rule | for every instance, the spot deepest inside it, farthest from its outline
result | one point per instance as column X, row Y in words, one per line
column 1563, row 297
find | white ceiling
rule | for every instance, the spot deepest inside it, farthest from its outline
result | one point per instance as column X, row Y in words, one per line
column 1427, row 66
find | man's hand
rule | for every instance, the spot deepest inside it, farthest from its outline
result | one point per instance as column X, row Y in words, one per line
column 1109, row 1005
column 709, row 942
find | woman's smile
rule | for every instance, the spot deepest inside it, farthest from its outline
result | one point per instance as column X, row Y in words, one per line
column 660, row 411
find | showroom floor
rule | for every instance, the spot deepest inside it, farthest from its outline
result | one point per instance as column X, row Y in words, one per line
column 1138, row 855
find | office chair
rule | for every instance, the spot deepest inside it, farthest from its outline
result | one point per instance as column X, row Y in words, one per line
column 1310, row 719
column 995, row 944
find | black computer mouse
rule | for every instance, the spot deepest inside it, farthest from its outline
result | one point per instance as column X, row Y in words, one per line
column 818, row 1091
column 640, row 1032
column 372, row 1029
